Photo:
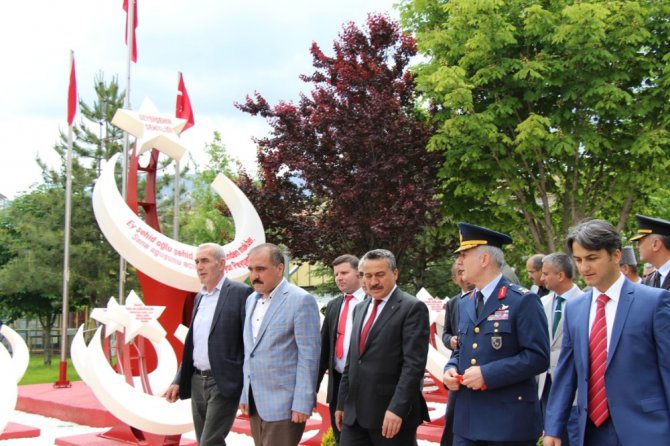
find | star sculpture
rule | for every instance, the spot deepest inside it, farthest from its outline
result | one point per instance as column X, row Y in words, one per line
column 143, row 319
column 152, row 129
column 134, row 318
column 114, row 317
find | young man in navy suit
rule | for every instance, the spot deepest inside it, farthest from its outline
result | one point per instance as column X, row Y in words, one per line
column 615, row 351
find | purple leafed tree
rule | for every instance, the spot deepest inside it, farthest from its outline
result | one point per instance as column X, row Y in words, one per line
column 346, row 169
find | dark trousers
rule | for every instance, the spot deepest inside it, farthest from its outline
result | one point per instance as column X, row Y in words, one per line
column 332, row 406
column 356, row 435
column 448, row 433
column 461, row 441
column 213, row 415
column 605, row 435
column 273, row 433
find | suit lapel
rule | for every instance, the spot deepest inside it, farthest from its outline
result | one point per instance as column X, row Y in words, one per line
column 547, row 305
column 335, row 319
column 196, row 304
column 581, row 315
column 223, row 295
column 277, row 301
column 666, row 283
column 625, row 300
column 493, row 302
column 468, row 302
column 357, row 326
column 390, row 307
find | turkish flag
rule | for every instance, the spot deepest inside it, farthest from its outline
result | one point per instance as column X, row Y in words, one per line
column 133, row 55
column 72, row 95
column 184, row 110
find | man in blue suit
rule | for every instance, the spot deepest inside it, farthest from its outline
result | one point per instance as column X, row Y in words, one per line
column 616, row 345
column 503, row 343
column 211, row 369
column 281, row 352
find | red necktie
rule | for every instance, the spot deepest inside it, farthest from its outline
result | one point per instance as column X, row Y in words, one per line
column 597, row 404
column 367, row 326
column 342, row 327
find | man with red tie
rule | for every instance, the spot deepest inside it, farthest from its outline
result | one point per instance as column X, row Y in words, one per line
column 336, row 329
column 615, row 351
column 380, row 401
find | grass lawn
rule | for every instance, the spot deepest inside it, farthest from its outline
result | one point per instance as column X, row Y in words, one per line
column 38, row 373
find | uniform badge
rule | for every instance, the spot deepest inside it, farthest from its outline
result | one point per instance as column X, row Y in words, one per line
column 496, row 342
column 502, row 293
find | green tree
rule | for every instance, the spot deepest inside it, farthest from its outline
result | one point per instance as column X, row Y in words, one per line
column 547, row 112
column 205, row 217
column 31, row 227
column 31, row 233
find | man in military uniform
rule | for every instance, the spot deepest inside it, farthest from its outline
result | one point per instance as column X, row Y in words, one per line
column 653, row 242
column 503, row 344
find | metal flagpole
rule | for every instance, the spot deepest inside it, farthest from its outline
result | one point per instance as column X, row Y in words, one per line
column 175, row 217
column 124, row 175
column 62, row 376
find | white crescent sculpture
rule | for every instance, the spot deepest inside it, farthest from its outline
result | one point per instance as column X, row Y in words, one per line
column 20, row 354
column 150, row 413
column 12, row 369
column 160, row 257
column 8, row 388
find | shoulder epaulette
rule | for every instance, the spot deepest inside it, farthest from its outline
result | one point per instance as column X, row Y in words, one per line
column 518, row 288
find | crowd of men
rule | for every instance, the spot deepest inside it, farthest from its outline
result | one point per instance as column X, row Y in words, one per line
column 580, row 367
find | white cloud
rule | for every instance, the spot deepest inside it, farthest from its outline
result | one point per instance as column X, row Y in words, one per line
column 226, row 50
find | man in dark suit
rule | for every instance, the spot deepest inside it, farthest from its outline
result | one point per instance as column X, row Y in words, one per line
column 380, row 400
column 211, row 369
column 615, row 351
column 503, row 344
column 336, row 329
column 450, row 340
column 653, row 242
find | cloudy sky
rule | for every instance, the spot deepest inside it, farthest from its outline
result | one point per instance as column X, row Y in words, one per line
column 225, row 49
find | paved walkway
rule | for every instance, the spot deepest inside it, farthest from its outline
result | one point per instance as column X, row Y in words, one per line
column 52, row 428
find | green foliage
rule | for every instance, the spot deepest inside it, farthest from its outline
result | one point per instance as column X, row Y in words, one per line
column 328, row 439
column 40, row 373
column 205, row 218
column 547, row 112
column 32, row 227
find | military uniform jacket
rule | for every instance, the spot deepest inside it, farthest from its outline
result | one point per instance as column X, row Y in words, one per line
column 510, row 342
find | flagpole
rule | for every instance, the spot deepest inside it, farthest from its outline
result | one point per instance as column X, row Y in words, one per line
column 130, row 23
column 62, row 375
column 175, row 216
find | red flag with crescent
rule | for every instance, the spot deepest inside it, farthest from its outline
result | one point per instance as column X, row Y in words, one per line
column 133, row 55
column 72, row 95
column 184, row 110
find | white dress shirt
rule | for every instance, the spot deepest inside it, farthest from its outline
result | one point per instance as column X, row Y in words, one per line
column 488, row 289
column 202, row 325
column 663, row 271
column 261, row 308
column 613, row 293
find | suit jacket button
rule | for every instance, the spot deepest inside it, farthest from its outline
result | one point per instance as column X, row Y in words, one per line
column 359, row 361
column 520, row 397
column 474, row 346
column 473, row 361
column 476, row 329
